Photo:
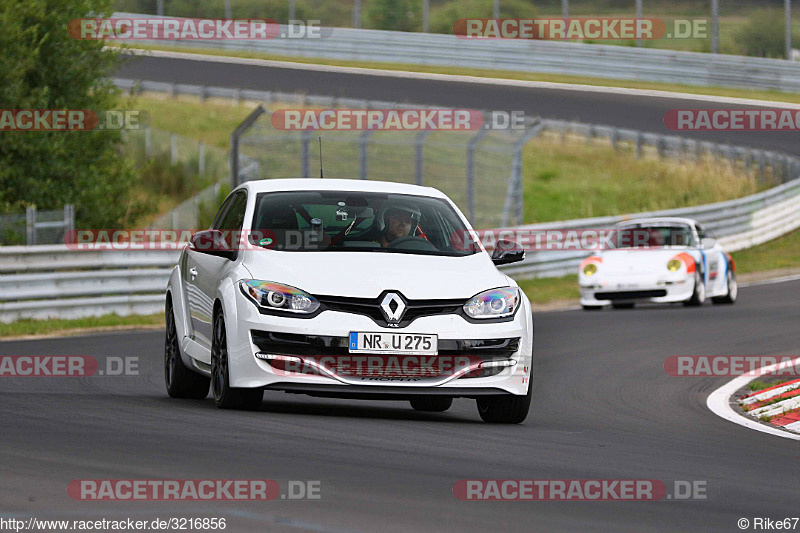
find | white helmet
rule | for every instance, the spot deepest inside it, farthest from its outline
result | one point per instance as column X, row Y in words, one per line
column 382, row 220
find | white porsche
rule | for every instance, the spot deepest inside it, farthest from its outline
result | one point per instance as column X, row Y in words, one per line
column 661, row 260
column 347, row 288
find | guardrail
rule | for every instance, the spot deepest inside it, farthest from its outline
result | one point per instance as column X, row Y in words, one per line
column 738, row 224
column 550, row 57
column 56, row 281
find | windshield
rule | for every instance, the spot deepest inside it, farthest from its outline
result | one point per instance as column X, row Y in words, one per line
column 652, row 236
column 357, row 222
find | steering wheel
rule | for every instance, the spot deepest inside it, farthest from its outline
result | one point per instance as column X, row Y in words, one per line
column 411, row 242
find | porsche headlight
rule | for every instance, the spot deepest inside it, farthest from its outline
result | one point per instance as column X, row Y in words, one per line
column 590, row 269
column 674, row 265
column 496, row 303
column 278, row 297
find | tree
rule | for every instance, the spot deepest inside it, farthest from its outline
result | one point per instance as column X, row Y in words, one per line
column 42, row 67
column 397, row 15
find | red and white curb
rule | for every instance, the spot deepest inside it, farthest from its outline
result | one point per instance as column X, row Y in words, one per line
column 779, row 403
column 719, row 403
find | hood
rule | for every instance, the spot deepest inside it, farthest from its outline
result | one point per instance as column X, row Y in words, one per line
column 638, row 260
column 368, row 274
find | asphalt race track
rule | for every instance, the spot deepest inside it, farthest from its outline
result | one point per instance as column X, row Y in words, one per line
column 640, row 112
column 603, row 408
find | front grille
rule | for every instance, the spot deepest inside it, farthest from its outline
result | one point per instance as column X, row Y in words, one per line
column 315, row 347
column 371, row 307
column 630, row 295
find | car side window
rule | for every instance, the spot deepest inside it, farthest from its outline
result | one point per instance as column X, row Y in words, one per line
column 234, row 217
column 221, row 212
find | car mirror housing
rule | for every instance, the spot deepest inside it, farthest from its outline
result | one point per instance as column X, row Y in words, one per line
column 708, row 242
column 507, row 251
column 212, row 242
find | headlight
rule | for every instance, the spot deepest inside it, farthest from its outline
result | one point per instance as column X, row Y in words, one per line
column 496, row 303
column 589, row 265
column 275, row 296
column 674, row 265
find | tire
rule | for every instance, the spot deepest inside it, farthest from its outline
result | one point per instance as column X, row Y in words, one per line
column 699, row 292
column 225, row 396
column 591, row 307
column 181, row 382
column 505, row 409
column 432, row 404
column 628, row 305
column 733, row 290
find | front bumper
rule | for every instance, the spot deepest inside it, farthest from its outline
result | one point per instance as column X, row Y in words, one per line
column 605, row 290
column 252, row 336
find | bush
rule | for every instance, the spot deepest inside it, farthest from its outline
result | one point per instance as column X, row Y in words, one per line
column 442, row 19
column 396, row 15
column 763, row 36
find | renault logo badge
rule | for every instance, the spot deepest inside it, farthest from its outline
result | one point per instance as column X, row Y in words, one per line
column 393, row 307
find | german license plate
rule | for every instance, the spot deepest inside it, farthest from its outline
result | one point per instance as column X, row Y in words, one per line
column 393, row 343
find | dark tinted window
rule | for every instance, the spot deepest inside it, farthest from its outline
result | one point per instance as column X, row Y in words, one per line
column 352, row 221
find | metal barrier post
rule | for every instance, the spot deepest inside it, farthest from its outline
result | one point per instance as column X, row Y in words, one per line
column 30, row 220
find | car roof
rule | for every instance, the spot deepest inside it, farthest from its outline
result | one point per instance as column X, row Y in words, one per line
column 349, row 185
column 657, row 220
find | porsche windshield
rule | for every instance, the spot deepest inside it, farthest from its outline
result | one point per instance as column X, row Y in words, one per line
column 358, row 222
column 655, row 236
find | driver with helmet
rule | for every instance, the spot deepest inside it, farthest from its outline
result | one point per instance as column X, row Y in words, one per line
column 396, row 220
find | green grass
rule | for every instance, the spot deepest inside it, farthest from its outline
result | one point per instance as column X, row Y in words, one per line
column 783, row 252
column 758, row 385
column 547, row 290
column 56, row 326
column 776, row 96
column 210, row 122
column 567, row 180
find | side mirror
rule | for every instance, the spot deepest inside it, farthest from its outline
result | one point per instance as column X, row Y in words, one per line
column 506, row 251
column 212, row 242
column 708, row 242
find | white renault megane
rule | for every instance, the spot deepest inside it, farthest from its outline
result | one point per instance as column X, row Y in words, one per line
column 351, row 289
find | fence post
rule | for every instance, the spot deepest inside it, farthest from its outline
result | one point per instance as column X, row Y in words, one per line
column 363, row 139
column 660, row 146
column 638, row 145
column 305, row 139
column 234, row 151
column 30, row 220
column 173, row 149
column 201, row 158
column 148, row 143
column 471, row 172
column 419, row 161
column 69, row 219
column 515, row 185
